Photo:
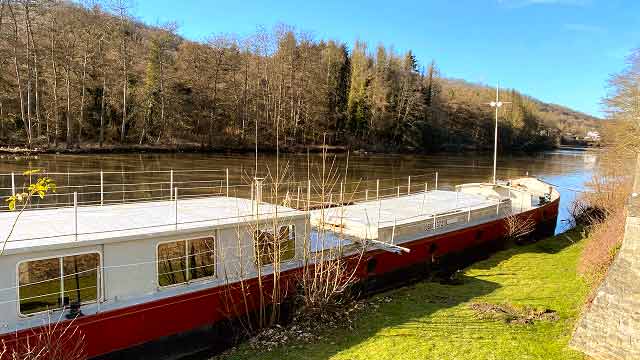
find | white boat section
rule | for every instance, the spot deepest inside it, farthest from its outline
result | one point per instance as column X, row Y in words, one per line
column 394, row 220
column 85, row 225
column 127, row 237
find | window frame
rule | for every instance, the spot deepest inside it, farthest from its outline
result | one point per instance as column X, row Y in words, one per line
column 255, row 236
column 60, row 278
column 188, row 279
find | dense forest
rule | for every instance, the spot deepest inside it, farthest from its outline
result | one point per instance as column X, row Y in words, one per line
column 90, row 74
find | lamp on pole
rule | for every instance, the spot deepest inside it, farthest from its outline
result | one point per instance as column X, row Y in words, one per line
column 496, row 104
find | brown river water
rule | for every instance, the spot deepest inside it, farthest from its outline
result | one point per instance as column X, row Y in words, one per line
column 128, row 177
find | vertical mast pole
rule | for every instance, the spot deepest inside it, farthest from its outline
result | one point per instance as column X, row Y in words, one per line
column 495, row 134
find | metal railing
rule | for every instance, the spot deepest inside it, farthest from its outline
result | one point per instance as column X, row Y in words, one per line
column 189, row 184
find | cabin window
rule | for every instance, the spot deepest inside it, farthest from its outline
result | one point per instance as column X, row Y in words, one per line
column 266, row 245
column 52, row 284
column 185, row 260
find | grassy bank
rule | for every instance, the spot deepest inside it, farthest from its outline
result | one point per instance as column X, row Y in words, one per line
column 433, row 321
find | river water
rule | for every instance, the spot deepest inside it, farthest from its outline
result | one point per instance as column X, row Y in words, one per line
column 148, row 176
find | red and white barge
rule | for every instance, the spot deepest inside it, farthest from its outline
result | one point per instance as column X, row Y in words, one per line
column 149, row 279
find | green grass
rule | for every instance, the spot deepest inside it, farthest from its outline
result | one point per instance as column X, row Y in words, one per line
column 433, row 321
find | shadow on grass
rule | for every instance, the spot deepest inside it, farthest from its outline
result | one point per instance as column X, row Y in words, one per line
column 550, row 245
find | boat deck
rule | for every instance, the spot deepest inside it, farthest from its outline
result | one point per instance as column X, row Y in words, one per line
column 44, row 227
column 365, row 219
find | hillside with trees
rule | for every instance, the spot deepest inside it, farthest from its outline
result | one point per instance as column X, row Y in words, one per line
column 75, row 76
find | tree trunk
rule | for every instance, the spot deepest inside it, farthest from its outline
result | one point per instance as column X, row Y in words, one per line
column 28, row 59
column 104, row 94
column 68, row 80
column 56, row 115
column 18, row 78
column 36, row 74
column 162, row 122
column 83, row 91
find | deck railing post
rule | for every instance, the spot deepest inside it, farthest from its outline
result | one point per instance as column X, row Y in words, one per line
column 101, row 188
column 426, row 188
column 75, row 214
column 227, row 182
column 13, row 184
column 175, row 205
column 393, row 230
column 366, row 194
column 398, row 190
column 170, row 184
column 377, row 189
column 308, row 195
column 436, row 185
column 409, row 186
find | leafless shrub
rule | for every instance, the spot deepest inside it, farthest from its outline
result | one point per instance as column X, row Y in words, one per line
column 603, row 241
column 518, row 227
column 57, row 340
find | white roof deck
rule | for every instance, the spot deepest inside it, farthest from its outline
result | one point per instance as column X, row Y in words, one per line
column 368, row 217
column 46, row 227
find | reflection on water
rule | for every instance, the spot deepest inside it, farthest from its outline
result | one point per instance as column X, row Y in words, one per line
column 567, row 169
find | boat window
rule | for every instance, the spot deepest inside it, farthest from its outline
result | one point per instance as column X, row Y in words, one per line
column 265, row 245
column 172, row 263
column 41, row 288
column 80, row 278
column 185, row 260
column 202, row 258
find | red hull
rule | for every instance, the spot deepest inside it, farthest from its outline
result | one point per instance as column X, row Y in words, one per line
column 115, row 330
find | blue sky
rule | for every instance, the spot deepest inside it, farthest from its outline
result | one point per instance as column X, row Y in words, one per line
column 560, row 51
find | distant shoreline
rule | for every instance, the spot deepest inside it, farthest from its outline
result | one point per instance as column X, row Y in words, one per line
column 95, row 149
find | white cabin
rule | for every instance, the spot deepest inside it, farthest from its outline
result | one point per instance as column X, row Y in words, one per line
column 113, row 256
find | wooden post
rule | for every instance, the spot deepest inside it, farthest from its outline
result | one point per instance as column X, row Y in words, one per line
column 377, row 189
column 409, row 186
column 426, row 188
column 366, row 194
column 227, row 182
column 436, row 185
column 398, row 190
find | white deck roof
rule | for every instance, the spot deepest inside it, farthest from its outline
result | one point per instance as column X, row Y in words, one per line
column 45, row 227
column 402, row 210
